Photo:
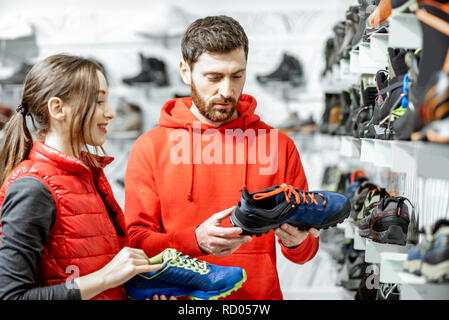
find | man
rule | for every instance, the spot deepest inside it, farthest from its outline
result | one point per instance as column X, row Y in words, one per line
column 205, row 150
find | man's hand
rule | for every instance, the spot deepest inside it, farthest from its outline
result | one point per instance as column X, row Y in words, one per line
column 216, row 240
column 291, row 237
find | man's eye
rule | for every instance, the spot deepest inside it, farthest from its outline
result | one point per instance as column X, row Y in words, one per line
column 213, row 78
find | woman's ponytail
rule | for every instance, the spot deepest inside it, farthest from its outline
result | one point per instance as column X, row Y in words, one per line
column 17, row 143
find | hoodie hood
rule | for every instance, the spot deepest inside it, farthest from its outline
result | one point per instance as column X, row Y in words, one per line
column 176, row 114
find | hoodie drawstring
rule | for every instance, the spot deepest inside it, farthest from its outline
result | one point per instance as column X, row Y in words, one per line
column 245, row 141
column 245, row 168
column 190, row 193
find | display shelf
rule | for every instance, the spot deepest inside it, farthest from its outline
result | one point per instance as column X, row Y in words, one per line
column 354, row 61
column 359, row 242
column 405, row 31
column 379, row 46
column 350, row 147
column 407, row 156
column 391, row 264
column 414, row 287
column 348, row 229
column 374, row 250
column 367, row 63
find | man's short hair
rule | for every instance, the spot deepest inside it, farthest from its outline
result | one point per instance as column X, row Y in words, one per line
column 214, row 34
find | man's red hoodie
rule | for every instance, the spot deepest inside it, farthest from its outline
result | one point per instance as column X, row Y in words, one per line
column 183, row 171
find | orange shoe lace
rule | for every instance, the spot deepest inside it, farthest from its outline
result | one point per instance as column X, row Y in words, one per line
column 288, row 191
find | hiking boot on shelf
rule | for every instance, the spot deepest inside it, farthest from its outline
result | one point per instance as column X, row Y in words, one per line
column 372, row 199
column 392, row 96
column 360, row 196
column 351, row 23
column 388, row 222
column 423, row 103
column 182, row 275
column 17, row 78
column 435, row 267
column 331, row 177
column 262, row 211
column 331, row 117
column 295, row 124
column 153, row 72
column 345, row 103
column 357, row 178
column 415, row 257
column 366, row 8
column 290, row 70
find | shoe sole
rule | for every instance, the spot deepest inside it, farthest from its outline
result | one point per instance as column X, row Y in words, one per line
column 333, row 220
column 413, row 266
column 436, row 273
column 393, row 235
column 132, row 293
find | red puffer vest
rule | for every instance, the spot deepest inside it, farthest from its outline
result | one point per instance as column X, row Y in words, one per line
column 84, row 236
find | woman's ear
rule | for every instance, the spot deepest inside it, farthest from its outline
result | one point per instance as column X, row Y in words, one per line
column 185, row 72
column 56, row 109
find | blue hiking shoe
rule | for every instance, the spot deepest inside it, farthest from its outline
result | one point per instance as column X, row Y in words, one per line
column 435, row 267
column 182, row 275
column 265, row 210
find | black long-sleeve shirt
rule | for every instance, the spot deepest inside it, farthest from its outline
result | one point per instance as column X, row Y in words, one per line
column 27, row 215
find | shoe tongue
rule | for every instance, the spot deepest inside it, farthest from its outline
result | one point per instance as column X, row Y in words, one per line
column 164, row 256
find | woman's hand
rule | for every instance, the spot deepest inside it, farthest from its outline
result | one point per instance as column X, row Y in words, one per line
column 125, row 265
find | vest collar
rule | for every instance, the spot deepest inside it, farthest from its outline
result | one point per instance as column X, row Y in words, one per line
column 45, row 153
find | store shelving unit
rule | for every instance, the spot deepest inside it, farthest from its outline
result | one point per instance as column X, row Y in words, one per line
column 417, row 170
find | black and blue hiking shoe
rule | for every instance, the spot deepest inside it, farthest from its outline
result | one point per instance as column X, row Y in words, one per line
column 262, row 211
column 182, row 275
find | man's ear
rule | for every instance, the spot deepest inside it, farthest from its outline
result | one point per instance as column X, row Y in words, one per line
column 185, row 72
column 56, row 109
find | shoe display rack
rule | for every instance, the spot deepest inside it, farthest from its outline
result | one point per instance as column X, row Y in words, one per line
column 417, row 170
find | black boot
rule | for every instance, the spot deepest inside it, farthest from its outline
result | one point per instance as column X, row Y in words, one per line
column 153, row 72
column 289, row 70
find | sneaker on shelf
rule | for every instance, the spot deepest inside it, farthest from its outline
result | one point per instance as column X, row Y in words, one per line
column 262, row 211
column 388, row 222
column 435, row 267
column 182, row 275
column 415, row 257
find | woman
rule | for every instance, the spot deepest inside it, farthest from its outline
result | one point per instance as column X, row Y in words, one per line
column 63, row 235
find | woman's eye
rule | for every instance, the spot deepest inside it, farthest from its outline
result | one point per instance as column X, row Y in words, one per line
column 100, row 102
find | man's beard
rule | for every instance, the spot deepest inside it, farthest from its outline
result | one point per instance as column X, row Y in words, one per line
column 208, row 109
